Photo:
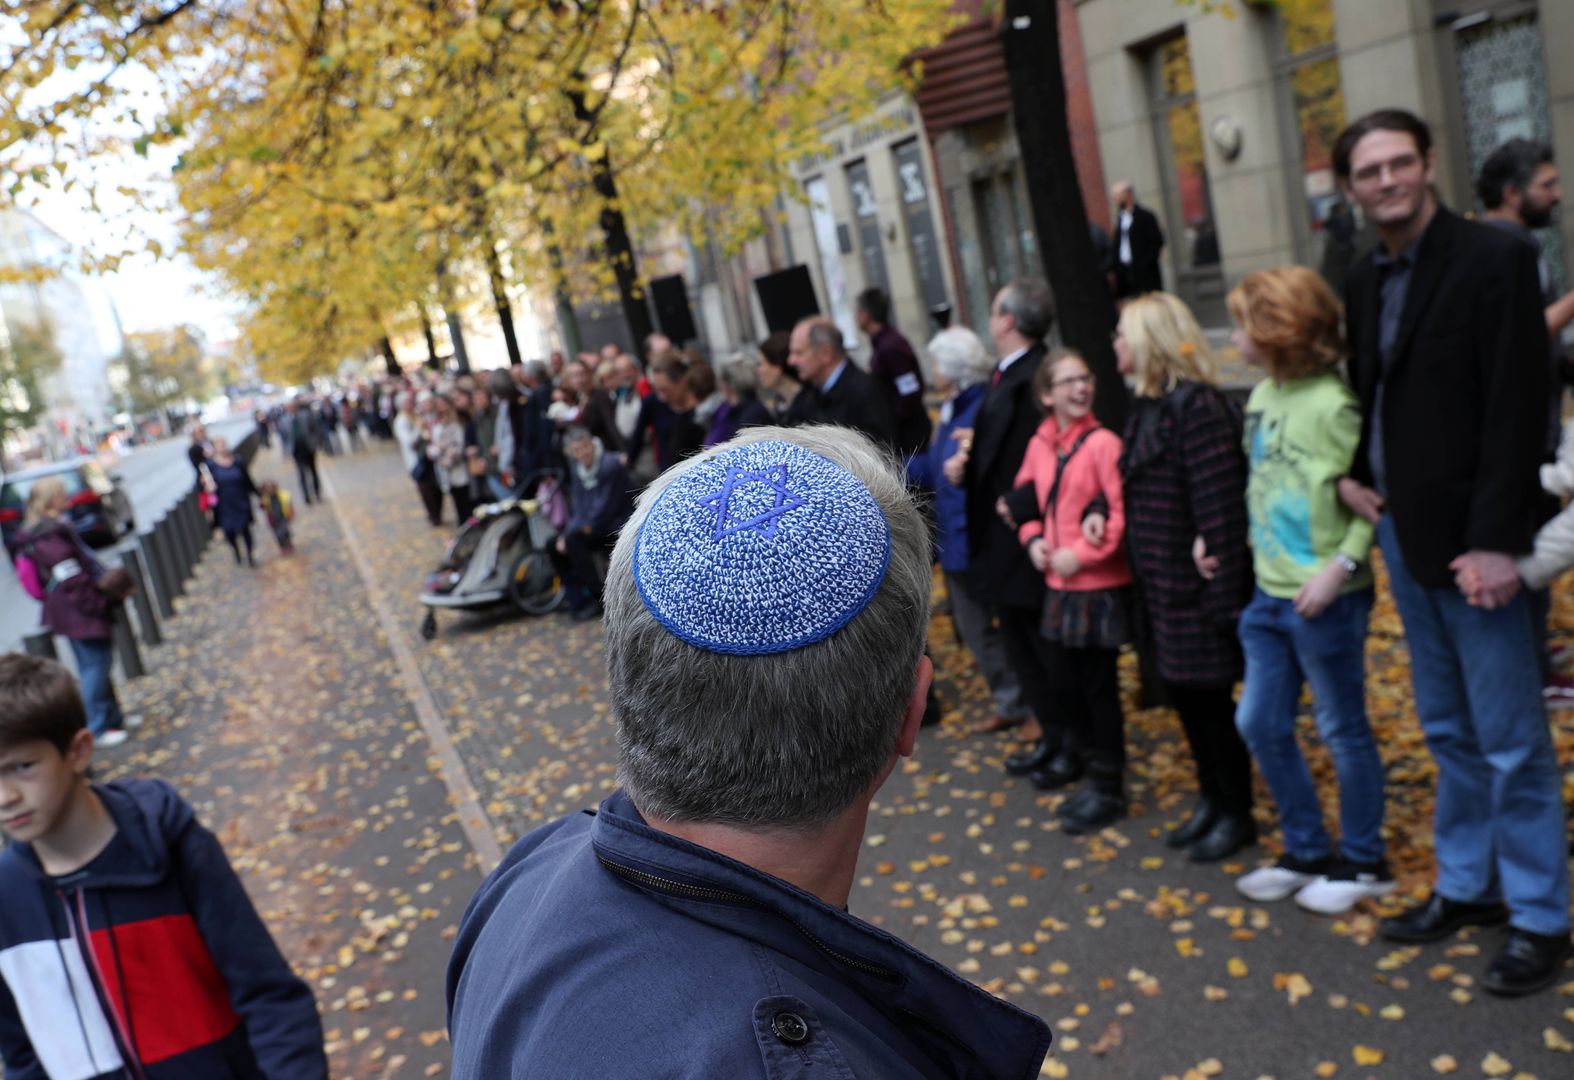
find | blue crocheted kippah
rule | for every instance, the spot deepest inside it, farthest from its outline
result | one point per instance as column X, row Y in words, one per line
column 763, row 548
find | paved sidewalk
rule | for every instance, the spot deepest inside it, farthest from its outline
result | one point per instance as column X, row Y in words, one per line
column 284, row 710
column 277, row 708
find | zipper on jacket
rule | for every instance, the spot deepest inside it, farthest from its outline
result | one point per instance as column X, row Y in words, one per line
column 702, row 892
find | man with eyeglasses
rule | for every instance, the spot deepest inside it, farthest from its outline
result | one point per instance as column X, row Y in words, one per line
column 1445, row 325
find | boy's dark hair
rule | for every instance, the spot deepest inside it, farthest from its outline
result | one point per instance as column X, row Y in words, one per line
column 874, row 303
column 1511, row 165
column 775, row 348
column 1381, row 120
column 38, row 700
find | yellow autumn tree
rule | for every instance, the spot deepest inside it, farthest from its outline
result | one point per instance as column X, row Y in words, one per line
column 347, row 163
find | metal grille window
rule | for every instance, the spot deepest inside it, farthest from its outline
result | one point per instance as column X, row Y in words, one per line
column 1503, row 89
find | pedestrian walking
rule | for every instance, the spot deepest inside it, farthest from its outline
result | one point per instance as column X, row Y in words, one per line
column 298, row 436
column 962, row 370
column 1184, row 473
column 279, row 513
column 1072, row 463
column 759, row 711
column 1307, row 621
column 1445, row 320
column 233, row 490
column 129, row 947
column 79, row 592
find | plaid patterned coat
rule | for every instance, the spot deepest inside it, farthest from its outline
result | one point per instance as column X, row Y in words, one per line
column 1184, row 472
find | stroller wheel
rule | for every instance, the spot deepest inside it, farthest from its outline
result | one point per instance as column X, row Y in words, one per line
column 535, row 584
column 429, row 626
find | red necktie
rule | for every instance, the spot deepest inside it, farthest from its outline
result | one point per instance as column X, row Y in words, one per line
column 995, row 379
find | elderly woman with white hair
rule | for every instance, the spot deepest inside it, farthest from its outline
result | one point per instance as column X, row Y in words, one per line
column 741, row 406
column 962, row 368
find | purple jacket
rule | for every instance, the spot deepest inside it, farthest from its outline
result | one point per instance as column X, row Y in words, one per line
column 73, row 605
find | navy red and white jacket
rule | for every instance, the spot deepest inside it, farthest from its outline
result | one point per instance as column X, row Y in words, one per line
column 149, row 963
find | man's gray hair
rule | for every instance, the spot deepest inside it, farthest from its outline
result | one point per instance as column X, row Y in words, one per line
column 785, row 740
column 740, row 376
column 960, row 356
column 823, row 331
column 1029, row 301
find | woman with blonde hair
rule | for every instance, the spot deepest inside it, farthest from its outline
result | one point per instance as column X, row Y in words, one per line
column 1184, row 477
column 1307, row 619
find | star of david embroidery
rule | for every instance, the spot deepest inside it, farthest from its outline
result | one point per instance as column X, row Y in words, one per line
column 764, row 522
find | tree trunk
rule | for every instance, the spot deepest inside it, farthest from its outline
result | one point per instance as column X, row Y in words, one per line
column 1031, row 36
column 389, row 359
column 456, row 331
column 431, row 342
column 620, row 254
column 505, row 313
column 615, row 236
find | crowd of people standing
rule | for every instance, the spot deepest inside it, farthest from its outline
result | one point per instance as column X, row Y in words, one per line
column 1233, row 547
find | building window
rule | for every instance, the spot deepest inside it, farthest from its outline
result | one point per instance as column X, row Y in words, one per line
column 1008, row 245
column 1188, row 200
column 1312, row 115
column 829, row 245
column 866, row 213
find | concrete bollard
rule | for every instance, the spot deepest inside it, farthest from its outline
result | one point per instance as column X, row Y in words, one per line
column 147, row 622
column 185, row 546
column 196, row 522
column 126, row 643
column 167, row 548
column 157, row 575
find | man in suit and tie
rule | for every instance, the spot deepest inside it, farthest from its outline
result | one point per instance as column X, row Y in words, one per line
column 1137, row 243
column 838, row 391
column 1446, row 329
column 986, row 468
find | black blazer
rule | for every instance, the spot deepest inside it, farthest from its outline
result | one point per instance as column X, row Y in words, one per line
column 1006, row 420
column 858, row 400
column 1465, row 402
column 1147, row 240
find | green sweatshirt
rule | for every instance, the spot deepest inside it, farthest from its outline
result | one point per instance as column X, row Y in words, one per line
column 1300, row 439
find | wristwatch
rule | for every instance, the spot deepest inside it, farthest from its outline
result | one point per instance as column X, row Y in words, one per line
column 1347, row 564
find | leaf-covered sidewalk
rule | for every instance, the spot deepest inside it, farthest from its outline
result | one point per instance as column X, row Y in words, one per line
column 280, row 708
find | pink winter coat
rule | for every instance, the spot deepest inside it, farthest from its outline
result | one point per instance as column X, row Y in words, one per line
column 1092, row 471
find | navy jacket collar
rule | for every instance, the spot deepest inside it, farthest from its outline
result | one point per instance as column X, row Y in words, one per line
column 939, row 1008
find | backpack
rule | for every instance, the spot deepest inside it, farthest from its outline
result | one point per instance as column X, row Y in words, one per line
column 27, row 574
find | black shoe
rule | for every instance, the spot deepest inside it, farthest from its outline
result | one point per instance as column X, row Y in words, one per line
column 1194, row 827
column 1439, row 918
column 931, row 711
column 1527, row 963
column 1090, row 810
column 1034, row 757
column 1059, row 771
column 1229, row 834
column 588, row 613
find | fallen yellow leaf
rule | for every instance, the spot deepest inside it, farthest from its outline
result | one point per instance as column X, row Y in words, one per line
column 1367, row 1055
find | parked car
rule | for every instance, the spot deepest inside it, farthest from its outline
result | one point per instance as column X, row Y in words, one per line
column 100, row 509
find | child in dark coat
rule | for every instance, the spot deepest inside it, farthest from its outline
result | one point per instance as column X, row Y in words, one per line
column 128, row 947
column 276, row 508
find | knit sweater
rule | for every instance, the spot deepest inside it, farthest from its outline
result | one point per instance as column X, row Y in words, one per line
column 1301, row 437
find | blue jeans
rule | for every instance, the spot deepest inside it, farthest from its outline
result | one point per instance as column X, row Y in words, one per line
column 98, row 692
column 1283, row 650
column 1498, row 822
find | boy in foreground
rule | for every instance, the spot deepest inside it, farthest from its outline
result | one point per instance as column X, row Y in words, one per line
column 128, row 947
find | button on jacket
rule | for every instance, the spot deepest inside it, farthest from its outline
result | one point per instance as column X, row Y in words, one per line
column 604, row 948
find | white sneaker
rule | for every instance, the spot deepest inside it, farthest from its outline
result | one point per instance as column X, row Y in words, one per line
column 132, row 720
column 112, row 737
column 1345, row 886
column 1286, row 877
